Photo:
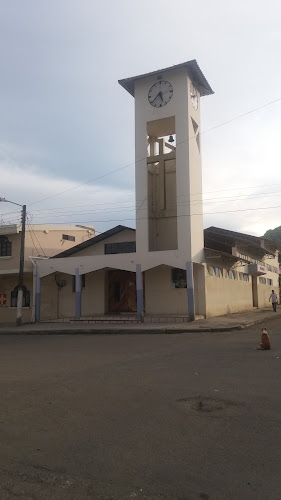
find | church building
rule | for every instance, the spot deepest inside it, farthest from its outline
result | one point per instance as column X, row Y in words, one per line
column 163, row 268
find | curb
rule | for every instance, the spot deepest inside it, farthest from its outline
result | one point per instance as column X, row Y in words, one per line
column 143, row 331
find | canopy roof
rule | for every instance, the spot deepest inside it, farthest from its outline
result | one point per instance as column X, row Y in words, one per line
column 192, row 70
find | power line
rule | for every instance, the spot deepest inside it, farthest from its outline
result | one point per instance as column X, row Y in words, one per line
column 143, row 206
column 176, row 216
column 242, row 115
column 33, row 242
column 141, row 201
column 60, row 211
column 124, row 209
column 178, row 143
column 35, row 236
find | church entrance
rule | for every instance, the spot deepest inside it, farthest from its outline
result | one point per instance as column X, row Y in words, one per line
column 122, row 296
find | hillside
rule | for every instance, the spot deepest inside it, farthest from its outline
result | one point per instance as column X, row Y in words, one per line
column 274, row 234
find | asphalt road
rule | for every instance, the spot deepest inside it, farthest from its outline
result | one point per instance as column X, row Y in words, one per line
column 186, row 416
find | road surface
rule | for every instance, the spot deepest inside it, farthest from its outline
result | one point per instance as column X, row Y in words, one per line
column 184, row 416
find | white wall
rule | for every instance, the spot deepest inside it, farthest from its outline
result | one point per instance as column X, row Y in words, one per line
column 188, row 162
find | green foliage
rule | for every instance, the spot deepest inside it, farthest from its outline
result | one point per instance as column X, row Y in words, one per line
column 274, row 234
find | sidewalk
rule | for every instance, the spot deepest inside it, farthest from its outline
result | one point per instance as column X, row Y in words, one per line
column 227, row 323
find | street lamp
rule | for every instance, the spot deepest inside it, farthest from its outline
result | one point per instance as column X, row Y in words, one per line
column 20, row 287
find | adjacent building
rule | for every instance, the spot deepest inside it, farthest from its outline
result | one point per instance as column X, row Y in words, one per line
column 239, row 272
column 41, row 241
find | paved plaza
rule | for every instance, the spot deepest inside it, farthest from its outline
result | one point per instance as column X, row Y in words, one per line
column 152, row 416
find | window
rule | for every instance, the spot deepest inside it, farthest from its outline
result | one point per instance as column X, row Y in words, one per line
column 83, row 282
column 210, row 270
column 178, row 278
column 244, row 277
column 68, row 237
column 218, row 272
column 123, row 247
column 5, row 247
column 3, row 299
column 214, row 271
column 25, row 298
column 262, row 280
column 269, row 282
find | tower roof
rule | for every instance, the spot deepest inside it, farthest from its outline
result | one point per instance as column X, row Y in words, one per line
column 192, row 70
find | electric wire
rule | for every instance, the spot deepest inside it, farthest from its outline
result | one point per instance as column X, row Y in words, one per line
column 143, row 206
column 35, row 236
column 38, row 254
column 205, row 201
column 65, row 213
column 175, row 216
column 143, row 159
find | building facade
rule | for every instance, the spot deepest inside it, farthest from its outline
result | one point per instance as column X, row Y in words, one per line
column 41, row 241
column 239, row 273
column 164, row 267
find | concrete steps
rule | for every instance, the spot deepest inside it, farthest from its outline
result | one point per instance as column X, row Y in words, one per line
column 124, row 319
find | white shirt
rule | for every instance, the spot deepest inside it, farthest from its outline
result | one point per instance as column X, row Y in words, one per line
column 273, row 297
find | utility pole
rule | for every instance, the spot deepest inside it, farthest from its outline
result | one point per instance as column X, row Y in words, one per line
column 21, row 269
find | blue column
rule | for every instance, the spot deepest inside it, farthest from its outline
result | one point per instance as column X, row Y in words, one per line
column 139, row 287
column 77, row 294
column 37, row 298
column 190, row 290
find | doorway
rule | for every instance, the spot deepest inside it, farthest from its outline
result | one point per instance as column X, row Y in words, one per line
column 122, row 296
column 255, row 291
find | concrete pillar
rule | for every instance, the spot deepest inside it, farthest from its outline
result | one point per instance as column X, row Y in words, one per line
column 77, row 294
column 37, row 298
column 139, row 287
column 19, row 305
column 190, row 290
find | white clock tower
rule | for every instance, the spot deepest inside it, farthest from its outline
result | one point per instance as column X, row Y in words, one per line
column 169, row 220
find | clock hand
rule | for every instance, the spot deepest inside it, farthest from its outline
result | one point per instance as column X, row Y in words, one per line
column 157, row 96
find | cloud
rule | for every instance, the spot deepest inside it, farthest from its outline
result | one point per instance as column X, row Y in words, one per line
column 102, row 206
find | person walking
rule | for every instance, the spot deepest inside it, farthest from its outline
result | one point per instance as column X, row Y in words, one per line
column 273, row 299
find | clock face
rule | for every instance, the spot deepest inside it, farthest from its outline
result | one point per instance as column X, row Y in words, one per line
column 160, row 94
column 194, row 97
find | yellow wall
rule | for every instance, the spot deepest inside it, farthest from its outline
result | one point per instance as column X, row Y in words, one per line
column 93, row 298
column 45, row 242
column 57, row 302
column 264, row 292
column 12, row 262
column 224, row 296
column 160, row 297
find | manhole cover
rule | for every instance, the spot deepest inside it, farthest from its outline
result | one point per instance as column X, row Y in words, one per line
column 209, row 406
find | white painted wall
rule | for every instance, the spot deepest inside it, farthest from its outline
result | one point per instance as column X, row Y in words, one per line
column 188, row 162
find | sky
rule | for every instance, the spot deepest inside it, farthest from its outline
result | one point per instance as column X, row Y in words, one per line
column 67, row 126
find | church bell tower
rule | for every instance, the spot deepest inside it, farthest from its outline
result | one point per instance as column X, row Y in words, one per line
column 168, row 173
column 168, row 159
